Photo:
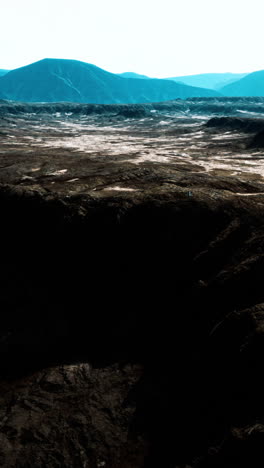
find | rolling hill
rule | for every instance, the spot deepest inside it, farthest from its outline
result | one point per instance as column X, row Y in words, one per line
column 250, row 85
column 214, row 81
column 209, row 80
column 56, row 80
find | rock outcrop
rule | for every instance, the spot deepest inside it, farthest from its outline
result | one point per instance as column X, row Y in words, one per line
column 71, row 415
column 236, row 123
column 258, row 140
column 130, row 280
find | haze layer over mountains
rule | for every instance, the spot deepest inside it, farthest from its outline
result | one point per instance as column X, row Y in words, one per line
column 60, row 80
column 214, row 81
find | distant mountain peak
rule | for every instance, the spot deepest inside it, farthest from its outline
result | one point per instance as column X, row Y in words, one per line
column 209, row 80
column 56, row 80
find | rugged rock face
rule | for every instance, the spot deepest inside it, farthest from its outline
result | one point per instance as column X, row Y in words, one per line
column 237, row 370
column 131, row 281
column 245, row 125
column 212, row 106
column 235, row 123
column 71, row 415
column 131, row 332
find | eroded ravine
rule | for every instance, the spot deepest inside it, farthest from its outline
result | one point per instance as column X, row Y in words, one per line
column 131, row 285
column 132, row 313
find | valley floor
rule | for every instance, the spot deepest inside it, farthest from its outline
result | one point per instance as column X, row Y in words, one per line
column 65, row 153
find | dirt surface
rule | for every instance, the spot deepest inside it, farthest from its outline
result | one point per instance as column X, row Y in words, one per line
column 131, row 288
column 64, row 153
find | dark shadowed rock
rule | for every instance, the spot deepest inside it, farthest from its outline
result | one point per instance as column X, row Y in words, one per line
column 235, row 123
column 258, row 140
column 134, row 112
column 132, row 292
column 71, row 416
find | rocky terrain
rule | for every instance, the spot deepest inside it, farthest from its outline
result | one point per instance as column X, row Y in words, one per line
column 132, row 285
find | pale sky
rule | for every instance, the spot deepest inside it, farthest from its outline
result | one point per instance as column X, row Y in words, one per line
column 158, row 38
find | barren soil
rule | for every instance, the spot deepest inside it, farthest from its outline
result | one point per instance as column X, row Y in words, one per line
column 132, row 295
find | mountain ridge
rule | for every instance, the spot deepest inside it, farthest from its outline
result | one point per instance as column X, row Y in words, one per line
column 251, row 85
column 134, row 75
column 59, row 80
column 213, row 81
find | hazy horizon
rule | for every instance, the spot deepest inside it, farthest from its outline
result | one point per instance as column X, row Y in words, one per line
column 153, row 38
column 129, row 71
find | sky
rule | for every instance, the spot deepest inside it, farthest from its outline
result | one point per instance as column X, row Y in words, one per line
column 158, row 38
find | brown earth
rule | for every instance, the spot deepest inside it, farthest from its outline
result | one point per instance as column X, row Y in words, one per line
column 131, row 292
